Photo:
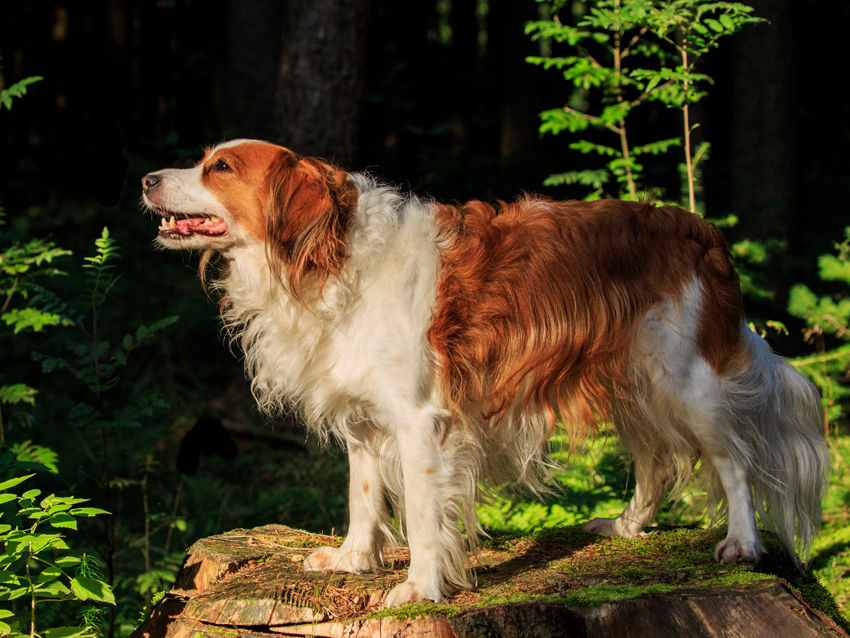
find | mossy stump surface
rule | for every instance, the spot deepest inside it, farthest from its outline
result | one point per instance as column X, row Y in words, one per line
column 558, row 582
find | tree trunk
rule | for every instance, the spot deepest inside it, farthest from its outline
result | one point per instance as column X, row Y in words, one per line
column 763, row 121
column 552, row 584
column 253, row 47
column 320, row 81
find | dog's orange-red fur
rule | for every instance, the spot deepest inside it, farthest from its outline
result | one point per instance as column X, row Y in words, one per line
column 541, row 299
column 242, row 191
column 307, row 218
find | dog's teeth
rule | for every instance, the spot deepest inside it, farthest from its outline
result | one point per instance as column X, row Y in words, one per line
column 172, row 223
column 214, row 220
column 163, row 223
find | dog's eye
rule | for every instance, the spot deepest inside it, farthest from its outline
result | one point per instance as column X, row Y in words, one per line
column 222, row 166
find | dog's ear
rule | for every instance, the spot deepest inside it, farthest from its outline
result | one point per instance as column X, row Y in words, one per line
column 310, row 206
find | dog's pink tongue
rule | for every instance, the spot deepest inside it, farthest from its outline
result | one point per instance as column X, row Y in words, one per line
column 194, row 225
column 200, row 224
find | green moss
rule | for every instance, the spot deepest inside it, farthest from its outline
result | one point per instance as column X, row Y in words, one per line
column 590, row 596
column 778, row 562
column 416, row 610
column 565, row 535
column 733, row 579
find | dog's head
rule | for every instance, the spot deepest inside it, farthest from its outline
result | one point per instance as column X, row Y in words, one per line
column 250, row 193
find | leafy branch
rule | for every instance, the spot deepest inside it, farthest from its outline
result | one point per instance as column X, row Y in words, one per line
column 97, row 364
column 827, row 315
column 34, row 564
column 17, row 90
column 671, row 37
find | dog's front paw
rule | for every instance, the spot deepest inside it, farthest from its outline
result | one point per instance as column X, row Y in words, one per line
column 340, row 559
column 412, row 591
column 614, row 527
column 736, row 550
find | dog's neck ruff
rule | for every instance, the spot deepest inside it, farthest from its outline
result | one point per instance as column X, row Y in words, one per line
column 294, row 351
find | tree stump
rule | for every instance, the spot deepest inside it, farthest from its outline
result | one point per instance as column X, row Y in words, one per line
column 559, row 582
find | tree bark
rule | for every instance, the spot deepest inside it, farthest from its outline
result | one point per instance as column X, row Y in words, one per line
column 254, row 48
column 763, row 121
column 321, row 77
column 252, row 583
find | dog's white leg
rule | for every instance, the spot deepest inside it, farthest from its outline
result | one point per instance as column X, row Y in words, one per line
column 361, row 550
column 652, row 475
column 431, row 492
column 726, row 452
column 742, row 543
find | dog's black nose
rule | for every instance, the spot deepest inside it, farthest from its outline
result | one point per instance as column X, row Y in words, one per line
column 149, row 181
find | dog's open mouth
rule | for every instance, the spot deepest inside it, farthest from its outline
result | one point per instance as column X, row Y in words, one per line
column 178, row 227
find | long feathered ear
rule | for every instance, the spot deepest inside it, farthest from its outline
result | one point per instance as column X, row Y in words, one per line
column 310, row 206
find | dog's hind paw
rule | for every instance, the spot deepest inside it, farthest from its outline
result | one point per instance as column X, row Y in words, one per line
column 412, row 591
column 340, row 559
column 735, row 550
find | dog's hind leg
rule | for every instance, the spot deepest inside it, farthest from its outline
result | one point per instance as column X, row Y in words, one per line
column 742, row 543
column 361, row 551
column 700, row 400
column 653, row 472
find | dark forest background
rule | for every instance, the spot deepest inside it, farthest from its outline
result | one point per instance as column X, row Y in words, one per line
column 433, row 95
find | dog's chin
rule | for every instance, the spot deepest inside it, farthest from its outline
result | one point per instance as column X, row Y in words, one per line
column 192, row 242
column 193, row 232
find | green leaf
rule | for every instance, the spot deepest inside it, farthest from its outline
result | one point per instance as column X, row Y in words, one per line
column 661, row 146
column 19, row 89
column 48, row 574
column 49, row 364
column 12, row 594
column 583, row 146
column 55, row 590
column 15, row 481
column 63, row 521
column 17, row 393
column 8, row 578
column 778, row 326
column 714, row 25
column 556, row 120
column 92, row 589
column 834, row 268
column 700, row 28
column 30, row 318
column 35, row 457
column 88, row 511
column 67, row 632
column 592, row 178
column 727, row 21
column 68, row 561
column 615, row 113
column 801, row 301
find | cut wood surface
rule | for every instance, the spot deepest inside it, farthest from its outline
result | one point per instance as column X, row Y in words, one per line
column 561, row 582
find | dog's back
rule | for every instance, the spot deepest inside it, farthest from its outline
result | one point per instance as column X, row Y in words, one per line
column 545, row 299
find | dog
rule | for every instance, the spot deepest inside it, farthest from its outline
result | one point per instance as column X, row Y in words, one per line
column 443, row 344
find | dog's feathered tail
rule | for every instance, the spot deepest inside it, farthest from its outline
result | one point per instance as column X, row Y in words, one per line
column 779, row 417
